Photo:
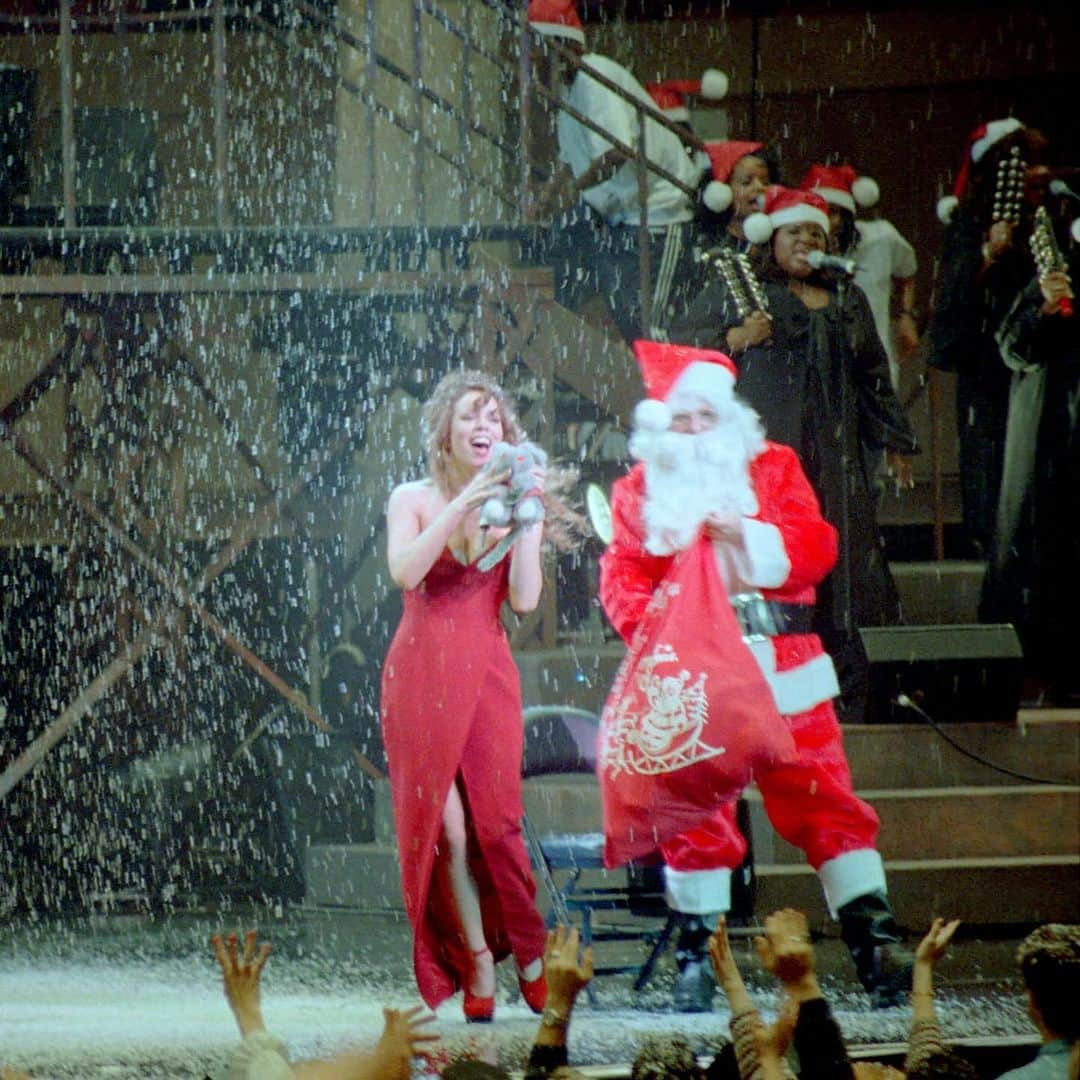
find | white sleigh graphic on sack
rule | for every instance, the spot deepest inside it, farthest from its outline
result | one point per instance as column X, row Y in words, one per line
column 666, row 736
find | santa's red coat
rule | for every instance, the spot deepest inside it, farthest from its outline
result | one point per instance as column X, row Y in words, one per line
column 811, row 803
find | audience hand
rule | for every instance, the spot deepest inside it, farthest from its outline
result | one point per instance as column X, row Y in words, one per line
column 785, row 949
column 241, row 977
column 566, row 977
column 773, row 1040
column 401, row 1041
column 932, row 947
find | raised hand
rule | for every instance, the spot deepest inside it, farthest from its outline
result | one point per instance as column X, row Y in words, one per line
column 566, row 974
column 402, row 1040
column 241, row 975
column 933, row 947
column 785, row 948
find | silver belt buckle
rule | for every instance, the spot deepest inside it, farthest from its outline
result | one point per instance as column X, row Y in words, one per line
column 755, row 618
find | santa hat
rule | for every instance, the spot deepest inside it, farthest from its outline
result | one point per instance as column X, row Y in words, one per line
column 786, row 206
column 672, row 94
column 841, row 186
column 723, row 157
column 556, row 18
column 979, row 143
column 669, row 369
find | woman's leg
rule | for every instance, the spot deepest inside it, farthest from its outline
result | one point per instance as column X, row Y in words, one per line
column 466, row 895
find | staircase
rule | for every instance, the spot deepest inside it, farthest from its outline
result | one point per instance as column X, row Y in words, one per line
column 959, row 839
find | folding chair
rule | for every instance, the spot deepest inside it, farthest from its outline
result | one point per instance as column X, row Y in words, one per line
column 561, row 739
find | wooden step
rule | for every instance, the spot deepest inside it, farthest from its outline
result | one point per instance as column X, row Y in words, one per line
column 952, row 823
column 1021, row 890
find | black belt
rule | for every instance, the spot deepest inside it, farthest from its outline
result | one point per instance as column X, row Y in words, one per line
column 759, row 617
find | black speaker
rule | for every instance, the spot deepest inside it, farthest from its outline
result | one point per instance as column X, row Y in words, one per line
column 956, row 673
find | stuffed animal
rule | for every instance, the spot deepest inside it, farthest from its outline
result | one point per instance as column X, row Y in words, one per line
column 517, row 500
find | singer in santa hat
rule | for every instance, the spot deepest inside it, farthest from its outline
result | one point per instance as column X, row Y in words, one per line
column 885, row 263
column 985, row 264
column 812, row 365
column 708, row 482
column 739, row 173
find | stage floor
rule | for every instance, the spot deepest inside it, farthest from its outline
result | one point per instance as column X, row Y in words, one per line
column 139, row 996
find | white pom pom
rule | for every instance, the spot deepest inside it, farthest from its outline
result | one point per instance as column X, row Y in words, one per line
column 714, row 84
column 757, row 228
column 494, row 512
column 946, row 207
column 717, row 196
column 865, row 191
column 1074, row 230
column 652, row 415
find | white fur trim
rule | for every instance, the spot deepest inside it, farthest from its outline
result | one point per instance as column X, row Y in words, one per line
column 698, row 892
column 796, row 689
column 1074, row 230
column 837, row 196
column 651, row 415
column 767, row 562
column 757, row 228
column 792, row 215
column 714, row 84
column 996, row 130
column 946, row 207
column 571, row 33
column 707, row 380
column 717, row 196
column 866, row 191
column 851, row 875
column 677, row 114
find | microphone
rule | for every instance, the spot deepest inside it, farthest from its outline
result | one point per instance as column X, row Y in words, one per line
column 1060, row 188
column 820, row 261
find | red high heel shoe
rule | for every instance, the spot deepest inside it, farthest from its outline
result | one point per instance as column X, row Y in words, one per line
column 478, row 1010
column 534, row 991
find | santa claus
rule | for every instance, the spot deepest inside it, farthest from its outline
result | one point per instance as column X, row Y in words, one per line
column 706, row 474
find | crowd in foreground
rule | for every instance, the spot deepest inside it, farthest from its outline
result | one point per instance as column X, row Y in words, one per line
column 803, row 1040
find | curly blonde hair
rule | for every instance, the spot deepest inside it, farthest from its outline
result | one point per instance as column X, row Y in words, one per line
column 563, row 526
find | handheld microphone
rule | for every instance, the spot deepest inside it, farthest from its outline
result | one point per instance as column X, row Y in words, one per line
column 1060, row 188
column 820, row 261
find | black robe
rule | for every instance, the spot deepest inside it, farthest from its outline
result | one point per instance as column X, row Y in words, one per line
column 821, row 386
column 1031, row 576
column 970, row 302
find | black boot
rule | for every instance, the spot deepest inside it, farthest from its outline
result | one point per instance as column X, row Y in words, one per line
column 882, row 960
column 694, row 985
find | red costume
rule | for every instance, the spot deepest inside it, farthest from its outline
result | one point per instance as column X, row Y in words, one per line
column 785, row 550
column 451, row 709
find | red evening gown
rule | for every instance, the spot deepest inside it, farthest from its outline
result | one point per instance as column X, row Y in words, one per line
column 451, row 707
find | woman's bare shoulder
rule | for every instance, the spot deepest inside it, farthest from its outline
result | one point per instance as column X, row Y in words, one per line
column 415, row 494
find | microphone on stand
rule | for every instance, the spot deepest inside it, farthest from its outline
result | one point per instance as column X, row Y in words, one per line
column 820, row 261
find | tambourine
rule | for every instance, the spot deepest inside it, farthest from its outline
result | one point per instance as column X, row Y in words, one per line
column 1047, row 254
column 739, row 277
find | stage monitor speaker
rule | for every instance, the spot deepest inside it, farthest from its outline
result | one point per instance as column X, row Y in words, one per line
column 956, row 673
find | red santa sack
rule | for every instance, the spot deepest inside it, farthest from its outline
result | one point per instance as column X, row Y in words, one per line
column 690, row 717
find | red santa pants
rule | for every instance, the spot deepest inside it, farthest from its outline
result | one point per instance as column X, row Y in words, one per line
column 811, row 804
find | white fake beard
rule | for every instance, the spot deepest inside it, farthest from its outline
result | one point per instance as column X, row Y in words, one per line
column 688, row 477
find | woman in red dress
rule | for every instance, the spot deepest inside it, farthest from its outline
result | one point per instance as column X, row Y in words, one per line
column 451, row 708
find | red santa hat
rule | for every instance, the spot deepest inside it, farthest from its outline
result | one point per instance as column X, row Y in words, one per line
column 723, row 157
column 786, row 206
column 671, row 96
column 556, row 18
column 979, row 142
column 841, row 186
column 668, row 369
